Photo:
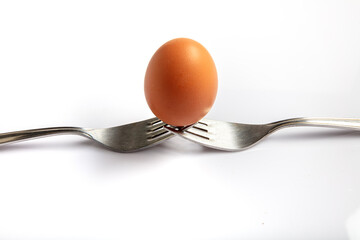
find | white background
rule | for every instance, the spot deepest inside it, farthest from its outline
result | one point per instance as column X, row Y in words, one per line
column 82, row 63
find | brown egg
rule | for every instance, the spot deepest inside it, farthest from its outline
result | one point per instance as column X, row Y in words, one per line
column 181, row 82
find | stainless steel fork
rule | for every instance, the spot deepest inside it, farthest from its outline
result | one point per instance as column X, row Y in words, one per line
column 237, row 136
column 126, row 138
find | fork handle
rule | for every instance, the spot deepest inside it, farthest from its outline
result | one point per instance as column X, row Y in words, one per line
column 347, row 123
column 38, row 133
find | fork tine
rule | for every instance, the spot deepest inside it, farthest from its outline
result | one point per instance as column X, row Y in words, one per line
column 156, row 126
column 188, row 134
column 203, row 122
column 153, row 121
column 159, row 138
column 197, row 134
column 201, row 128
column 156, row 133
column 194, row 137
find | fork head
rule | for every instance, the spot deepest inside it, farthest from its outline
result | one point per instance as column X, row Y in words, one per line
column 223, row 135
column 131, row 137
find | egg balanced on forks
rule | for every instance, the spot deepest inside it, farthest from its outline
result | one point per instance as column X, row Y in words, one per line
column 181, row 82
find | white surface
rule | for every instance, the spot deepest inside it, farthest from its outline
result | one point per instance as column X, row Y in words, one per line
column 82, row 63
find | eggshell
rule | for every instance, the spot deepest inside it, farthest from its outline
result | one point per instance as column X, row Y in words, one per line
column 181, row 82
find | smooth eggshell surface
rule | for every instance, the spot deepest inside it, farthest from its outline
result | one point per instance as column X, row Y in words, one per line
column 181, row 82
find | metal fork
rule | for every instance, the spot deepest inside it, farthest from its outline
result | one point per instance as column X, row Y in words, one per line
column 126, row 138
column 237, row 136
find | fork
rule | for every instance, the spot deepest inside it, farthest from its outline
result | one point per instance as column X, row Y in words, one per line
column 126, row 138
column 237, row 136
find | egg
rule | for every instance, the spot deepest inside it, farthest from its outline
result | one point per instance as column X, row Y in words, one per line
column 181, row 82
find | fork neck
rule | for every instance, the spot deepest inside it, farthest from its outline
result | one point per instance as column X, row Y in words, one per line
column 318, row 122
column 40, row 132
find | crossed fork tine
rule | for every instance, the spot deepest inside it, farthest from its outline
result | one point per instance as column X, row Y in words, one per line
column 221, row 135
